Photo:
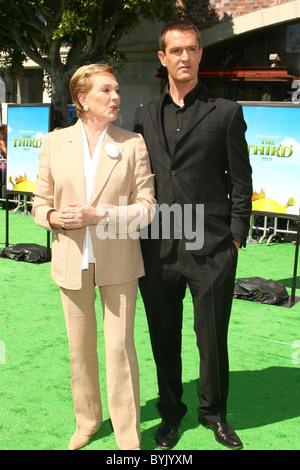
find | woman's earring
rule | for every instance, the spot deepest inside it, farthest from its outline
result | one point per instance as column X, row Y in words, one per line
column 85, row 107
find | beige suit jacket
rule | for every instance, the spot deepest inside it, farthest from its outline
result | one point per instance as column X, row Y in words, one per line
column 61, row 180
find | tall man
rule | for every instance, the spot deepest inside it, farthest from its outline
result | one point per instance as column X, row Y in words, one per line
column 199, row 157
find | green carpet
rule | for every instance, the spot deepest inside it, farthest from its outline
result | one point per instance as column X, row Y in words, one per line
column 36, row 409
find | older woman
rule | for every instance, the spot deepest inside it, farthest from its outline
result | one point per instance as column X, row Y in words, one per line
column 94, row 190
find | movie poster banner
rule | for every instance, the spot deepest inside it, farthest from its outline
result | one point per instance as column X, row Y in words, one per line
column 273, row 139
column 26, row 127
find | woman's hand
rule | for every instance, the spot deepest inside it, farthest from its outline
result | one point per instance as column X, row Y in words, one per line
column 75, row 216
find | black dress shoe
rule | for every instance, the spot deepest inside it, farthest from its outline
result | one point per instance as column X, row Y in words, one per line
column 224, row 433
column 167, row 435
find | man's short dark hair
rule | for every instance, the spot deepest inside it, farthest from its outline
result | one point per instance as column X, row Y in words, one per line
column 178, row 25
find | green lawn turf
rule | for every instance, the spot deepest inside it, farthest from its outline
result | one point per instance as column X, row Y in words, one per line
column 36, row 409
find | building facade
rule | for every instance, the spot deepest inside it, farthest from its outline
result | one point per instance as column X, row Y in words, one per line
column 251, row 53
column 251, row 49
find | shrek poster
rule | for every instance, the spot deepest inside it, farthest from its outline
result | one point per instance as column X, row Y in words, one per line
column 273, row 138
column 26, row 127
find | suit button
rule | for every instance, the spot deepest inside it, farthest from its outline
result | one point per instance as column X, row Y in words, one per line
column 173, row 172
column 172, row 199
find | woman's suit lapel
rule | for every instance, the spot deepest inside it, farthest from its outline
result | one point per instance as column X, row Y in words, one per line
column 106, row 163
column 74, row 162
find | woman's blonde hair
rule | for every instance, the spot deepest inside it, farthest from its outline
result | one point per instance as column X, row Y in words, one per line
column 80, row 82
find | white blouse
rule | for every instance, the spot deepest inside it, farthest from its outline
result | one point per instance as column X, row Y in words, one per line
column 90, row 166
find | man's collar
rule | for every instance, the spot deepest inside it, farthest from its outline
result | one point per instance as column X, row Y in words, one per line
column 189, row 98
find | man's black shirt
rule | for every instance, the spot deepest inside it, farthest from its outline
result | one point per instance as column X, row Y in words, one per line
column 175, row 117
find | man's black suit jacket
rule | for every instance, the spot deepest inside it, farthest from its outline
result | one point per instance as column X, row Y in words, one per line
column 210, row 167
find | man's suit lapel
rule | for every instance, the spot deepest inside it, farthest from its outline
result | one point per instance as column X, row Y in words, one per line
column 156, row 115
column 200, row 110
column 204, row 104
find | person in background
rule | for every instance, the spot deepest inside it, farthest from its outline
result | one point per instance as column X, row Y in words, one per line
column 197, row 147
column 94, row 180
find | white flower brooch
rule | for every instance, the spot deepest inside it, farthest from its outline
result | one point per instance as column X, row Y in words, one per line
column 112, row 150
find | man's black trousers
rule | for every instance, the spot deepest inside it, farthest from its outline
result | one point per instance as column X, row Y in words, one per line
column 211, row 281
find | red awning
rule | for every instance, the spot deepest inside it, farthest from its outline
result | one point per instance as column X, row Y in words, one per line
column 265, row 74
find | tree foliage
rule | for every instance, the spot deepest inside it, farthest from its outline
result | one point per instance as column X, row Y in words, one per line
column 89, row 30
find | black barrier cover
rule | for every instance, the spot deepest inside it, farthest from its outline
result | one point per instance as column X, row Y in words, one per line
column 257, row 289
column 29, row 252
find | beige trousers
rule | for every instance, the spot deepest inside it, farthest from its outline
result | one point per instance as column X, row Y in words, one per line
column 118, row 303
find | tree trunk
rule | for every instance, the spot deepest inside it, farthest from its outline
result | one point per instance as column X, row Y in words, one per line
column 59, row 98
